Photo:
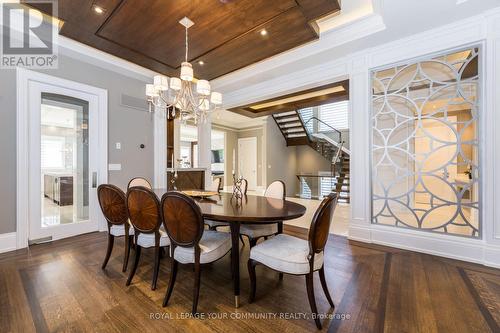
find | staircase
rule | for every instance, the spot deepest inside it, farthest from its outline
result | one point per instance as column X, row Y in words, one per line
column 300, row 130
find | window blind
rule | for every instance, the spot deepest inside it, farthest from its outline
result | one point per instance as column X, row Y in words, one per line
column 334, row 114
column 52, row 152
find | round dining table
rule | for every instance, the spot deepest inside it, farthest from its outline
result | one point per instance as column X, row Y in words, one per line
column 250, row 209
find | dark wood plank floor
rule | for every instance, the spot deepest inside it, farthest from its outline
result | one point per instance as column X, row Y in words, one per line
column 59, row 287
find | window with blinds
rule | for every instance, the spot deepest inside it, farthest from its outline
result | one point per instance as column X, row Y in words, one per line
column 326, row 185
column 334, row 114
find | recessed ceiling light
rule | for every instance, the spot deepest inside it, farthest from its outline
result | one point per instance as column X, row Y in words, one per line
column 263, row 32
column 201, row 63
column 97, row 9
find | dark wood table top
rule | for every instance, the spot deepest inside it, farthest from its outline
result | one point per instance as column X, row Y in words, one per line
column 253, row 209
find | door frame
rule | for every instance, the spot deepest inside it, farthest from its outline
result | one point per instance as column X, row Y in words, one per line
column 23, row 79
column 252, row 139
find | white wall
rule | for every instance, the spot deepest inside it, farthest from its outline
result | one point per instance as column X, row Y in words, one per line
column 481, row 29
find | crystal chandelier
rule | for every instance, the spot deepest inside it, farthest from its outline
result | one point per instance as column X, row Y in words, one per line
column 185, row 97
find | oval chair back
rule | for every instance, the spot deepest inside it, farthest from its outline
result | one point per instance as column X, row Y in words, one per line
column 182, row 219
column 276, row 190
column 113, row 204
column 215, row 185
column 139, row 181
column 320, row 224
column 143, row 209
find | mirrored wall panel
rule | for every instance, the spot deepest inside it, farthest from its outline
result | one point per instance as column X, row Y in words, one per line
column 425, row 152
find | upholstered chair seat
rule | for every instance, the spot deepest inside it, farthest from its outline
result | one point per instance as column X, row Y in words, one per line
column 254, row 231
column 148, row 240
column 213, row 246
column 287, row 254
column 119, row 230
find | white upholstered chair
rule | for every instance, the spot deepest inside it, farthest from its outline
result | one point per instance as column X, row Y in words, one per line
column 139, row 181
column 114, row 208
column 292, row 255
column 144, row 213
column 191, row 244
column 275, row 190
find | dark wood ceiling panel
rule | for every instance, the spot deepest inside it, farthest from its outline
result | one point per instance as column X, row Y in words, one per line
column 235, row 54
column 225, row 35
column 315, row 9
column 152, row 26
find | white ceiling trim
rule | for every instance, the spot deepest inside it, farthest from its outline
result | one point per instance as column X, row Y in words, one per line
column 360, row 28
column 93, row 56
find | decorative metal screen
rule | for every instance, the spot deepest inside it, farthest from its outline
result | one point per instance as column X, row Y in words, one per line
column 425, row 151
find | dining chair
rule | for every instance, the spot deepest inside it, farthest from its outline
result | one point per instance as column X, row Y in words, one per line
column 139, row 181
column 114, row 208
column 212, row 225
column 275, row 190
column 191, row 244
column 144, row 213
column 292, row 255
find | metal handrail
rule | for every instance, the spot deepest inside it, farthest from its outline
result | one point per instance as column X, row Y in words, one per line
column 339, row 152
column 321, row 121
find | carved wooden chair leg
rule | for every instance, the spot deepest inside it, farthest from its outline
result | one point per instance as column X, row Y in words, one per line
column 128, row 245
column 173, row 275
column 136, row 263
column 111, row 241
column 312, row 301
column 253, row 279
column 196, row 291
column 325, row 287
column 156, row 267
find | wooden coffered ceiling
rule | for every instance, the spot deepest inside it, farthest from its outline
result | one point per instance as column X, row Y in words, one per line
column 226, row 35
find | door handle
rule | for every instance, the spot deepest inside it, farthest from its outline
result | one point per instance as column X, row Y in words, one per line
column 94, row 179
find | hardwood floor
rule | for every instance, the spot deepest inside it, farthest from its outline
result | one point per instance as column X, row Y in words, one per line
column 60, row 287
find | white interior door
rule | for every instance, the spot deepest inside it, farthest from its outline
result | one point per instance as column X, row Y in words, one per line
column 63, row 162
column 247, row 160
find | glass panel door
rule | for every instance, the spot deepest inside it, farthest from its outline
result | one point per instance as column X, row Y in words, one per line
column 64, row 160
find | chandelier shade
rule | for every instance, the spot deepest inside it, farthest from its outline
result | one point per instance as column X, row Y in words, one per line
column 185, row 96
column 175, row 83
column 203, row 87
column 160, row 82
column 186, row 71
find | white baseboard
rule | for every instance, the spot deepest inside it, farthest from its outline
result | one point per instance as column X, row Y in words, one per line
column 7, row 242
column 454, row 247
